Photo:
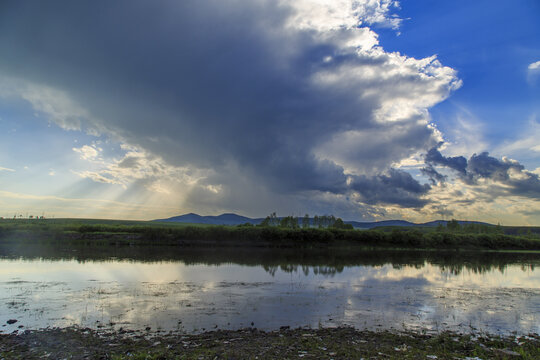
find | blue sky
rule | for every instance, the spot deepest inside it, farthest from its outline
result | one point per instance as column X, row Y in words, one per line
column 368, row 110
column 490, row 44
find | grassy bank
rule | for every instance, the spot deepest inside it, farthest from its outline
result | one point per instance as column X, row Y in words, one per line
column 99, row 232
column 330, row 343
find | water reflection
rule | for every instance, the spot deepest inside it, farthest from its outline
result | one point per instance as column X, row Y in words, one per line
column 324, row 261
column 194, row 290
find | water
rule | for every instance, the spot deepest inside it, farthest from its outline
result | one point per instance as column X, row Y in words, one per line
column 204, row 290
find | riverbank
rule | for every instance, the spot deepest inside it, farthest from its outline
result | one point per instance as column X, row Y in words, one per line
column 326, row 343
column 94, row 233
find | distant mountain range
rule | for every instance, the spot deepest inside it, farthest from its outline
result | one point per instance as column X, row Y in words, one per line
column 234, row 219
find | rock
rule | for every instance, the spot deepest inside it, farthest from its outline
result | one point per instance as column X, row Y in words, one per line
column 11, row 321
column 402, row 347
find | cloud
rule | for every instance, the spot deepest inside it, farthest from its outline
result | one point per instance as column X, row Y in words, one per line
column 534, row 66
column 56, row 104
column 458, row 163
column 6, row 169
column 466, row 132
column 485, row 200
column 324, row 15
column 433, row 175
column 396, row 187
column 87, row 152
column 527, row 142
column 137, row 166
column 295, row 96
column 505, row 177
column 533, row 72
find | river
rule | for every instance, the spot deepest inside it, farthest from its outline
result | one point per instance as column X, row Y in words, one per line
column 198, row 291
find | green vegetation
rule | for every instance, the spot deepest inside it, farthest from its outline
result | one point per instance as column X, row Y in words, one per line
column 96, row 232
column 336, row 343
column 292, row 222
column 470, row 228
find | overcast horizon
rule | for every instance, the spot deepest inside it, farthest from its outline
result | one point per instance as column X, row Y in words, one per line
column 368, row 109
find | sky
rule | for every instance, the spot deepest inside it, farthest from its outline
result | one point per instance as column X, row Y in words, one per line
column 365, row 109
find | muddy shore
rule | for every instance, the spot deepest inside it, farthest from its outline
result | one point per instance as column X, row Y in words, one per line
column 301, row 343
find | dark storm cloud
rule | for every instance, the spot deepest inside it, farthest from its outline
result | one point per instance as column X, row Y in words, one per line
column 485, row 166
column 510, row 173
column 397, row 187
column 507, row 172
column 211, row 83
column 458, row 163
column 433, row 175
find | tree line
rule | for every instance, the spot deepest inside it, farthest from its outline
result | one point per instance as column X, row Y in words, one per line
column 471, row 228
column 293, row 222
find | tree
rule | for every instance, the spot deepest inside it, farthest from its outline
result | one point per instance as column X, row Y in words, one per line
column 305, row 221
column 284, row 223
column 332, row 220
column 270, row 220
column 289, row 222
column 453, row 225
column 274, row 221
column 326, row 221
column 339, row 224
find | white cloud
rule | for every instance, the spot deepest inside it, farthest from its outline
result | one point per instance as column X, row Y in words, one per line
column 59, row 107
column 325, row 15
column 534, row 66
column 527, row 141
column 465, row 135
column 87, row 152
column 6, row 169
column 482, row 203
column 136, row 165
column 533, row 72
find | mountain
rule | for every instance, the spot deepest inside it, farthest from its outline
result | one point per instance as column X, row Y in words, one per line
column 373, row 224
column 223, row 219
column 234, row 219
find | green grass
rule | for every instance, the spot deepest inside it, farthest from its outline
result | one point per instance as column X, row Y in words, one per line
column 161, row 233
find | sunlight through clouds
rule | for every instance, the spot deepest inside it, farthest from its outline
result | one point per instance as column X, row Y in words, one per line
column 289, row 106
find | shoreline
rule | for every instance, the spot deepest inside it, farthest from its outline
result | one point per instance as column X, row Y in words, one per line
column 322, row 343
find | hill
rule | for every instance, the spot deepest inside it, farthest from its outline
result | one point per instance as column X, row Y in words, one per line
column 223, row 219
column 234, row 219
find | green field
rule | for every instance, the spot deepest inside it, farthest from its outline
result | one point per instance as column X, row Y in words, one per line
column 103, row 232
